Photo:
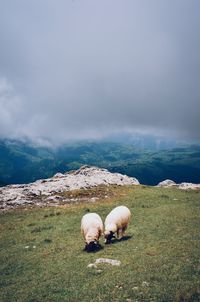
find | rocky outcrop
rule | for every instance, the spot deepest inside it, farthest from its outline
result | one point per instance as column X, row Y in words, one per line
column 183, row 186
column 46, row 191
column 188, row 185
column 166, row 183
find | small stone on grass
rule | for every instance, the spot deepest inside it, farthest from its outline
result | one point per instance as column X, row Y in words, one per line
column 92, row 265
column 109, row 261
column 144, row 283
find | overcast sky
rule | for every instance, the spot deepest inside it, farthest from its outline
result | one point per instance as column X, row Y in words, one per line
column 89, row 68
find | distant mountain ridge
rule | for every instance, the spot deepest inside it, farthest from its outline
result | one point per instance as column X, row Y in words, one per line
column 22, row 162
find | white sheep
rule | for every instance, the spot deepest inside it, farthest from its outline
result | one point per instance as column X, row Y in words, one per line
column 92, row 229
column 116, row 222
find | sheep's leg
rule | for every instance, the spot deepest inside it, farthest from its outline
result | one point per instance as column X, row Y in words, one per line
column 124, row 230
column 119, row 234
column 99, row 233
column 118, row 231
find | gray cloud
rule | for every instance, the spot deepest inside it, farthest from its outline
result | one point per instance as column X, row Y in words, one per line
column 82, row 69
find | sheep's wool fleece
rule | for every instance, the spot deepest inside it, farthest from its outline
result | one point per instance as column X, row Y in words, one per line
column 120, row 216
column 91, row 225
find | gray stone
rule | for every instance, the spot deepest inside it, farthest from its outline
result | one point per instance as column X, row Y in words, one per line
column 109, row 261
column 166, row 183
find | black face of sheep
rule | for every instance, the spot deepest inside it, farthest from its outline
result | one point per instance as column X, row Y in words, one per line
column 108, row 237
column 92, row 246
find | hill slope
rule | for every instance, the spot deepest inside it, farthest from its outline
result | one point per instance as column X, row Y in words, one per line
column 24, row 163
column 42, row 257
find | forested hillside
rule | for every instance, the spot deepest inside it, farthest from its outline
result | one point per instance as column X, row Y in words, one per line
column 22, row 162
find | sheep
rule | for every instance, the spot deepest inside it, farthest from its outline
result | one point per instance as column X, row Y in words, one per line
column 116, row 222
column 92, row 229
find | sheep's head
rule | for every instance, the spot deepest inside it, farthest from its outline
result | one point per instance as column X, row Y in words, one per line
column 91, row 246
column 108, row 236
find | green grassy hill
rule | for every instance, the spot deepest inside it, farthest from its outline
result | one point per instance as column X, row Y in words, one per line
column 24, row 163
column 42, row 257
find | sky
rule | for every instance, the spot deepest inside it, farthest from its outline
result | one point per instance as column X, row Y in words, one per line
column 76, row 69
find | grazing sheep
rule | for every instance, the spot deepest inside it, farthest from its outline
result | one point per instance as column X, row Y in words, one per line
column 116, row 222
column 92, row 229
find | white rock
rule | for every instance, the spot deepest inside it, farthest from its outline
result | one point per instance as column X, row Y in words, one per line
column 183, row 186
column 188, row 185
column 84, row 178
column 109, row 261
column 166, row 183
column 58, row 175
column 144, row 283
column 92, row 265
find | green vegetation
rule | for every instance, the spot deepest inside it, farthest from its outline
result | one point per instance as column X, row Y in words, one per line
column 22, row 163
column 42, row 257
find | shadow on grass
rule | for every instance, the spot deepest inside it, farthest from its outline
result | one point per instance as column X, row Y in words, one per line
column 115, row 240
column 94, row 249
column 125, row 238
column 47, row 241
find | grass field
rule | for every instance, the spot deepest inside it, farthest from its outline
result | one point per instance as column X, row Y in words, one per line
column 42, row 257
